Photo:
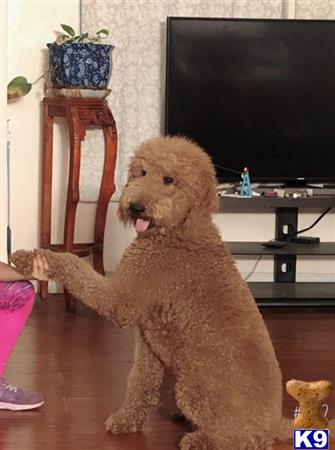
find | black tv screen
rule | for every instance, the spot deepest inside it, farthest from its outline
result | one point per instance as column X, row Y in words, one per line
column 255, row 93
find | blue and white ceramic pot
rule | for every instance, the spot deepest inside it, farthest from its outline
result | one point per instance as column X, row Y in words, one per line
column 85, row 66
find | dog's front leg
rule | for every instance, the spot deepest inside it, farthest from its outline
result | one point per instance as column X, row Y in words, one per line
column 112, row 297
column 143, row 391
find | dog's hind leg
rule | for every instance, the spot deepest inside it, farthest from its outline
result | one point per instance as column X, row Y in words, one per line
column 199, row 440
column 220, row 423
column 194, row 402
column 143, row 391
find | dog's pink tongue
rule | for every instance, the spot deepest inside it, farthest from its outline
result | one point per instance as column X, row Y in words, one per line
column 141, row 225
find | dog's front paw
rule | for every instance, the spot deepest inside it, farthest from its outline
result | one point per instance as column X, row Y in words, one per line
column 123, row 423
column 23, row 261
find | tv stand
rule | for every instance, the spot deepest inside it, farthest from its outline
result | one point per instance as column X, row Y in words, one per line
column 284, row 290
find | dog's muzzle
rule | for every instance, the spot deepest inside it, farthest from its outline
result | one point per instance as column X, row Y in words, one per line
column 137, row 210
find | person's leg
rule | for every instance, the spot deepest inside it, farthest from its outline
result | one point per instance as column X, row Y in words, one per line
column 16, row 302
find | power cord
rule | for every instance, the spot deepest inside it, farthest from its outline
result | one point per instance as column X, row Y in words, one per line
column 253, row 268
column 326, row 211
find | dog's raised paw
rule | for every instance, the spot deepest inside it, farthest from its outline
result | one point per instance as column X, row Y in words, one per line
column 23, row 261
column 120, row 423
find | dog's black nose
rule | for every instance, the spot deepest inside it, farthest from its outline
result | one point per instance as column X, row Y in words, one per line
column 137, row 209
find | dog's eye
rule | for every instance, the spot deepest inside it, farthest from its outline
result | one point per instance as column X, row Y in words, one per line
column 143, row 172
column 168, row 180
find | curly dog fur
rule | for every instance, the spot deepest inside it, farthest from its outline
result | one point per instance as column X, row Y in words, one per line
column 178, row 285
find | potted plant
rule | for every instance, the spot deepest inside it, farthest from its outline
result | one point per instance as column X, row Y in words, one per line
column 80, row 61
column 76, row 61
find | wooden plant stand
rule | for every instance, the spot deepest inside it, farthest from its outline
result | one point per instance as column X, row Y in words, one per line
column 79, row 113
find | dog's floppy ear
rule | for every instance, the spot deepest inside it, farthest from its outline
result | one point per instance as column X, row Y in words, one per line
column 210, row 198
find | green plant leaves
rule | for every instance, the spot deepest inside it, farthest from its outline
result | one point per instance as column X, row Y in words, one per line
column 18, row 87
column 71, row 36
column 69, row 30
column 103, row 33
column 82, row 37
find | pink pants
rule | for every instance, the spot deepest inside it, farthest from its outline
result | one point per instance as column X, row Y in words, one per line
column 16, row 302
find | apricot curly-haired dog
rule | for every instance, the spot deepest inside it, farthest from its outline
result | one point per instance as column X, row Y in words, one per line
column 178, row 285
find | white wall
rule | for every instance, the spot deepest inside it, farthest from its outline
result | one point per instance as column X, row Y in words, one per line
column 34, row 23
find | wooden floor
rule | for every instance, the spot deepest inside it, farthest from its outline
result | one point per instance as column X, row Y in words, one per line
column 81, row 363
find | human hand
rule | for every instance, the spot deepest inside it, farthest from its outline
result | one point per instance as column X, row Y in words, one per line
column 40, row 268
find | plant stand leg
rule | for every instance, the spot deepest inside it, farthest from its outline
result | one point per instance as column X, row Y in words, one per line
column 107, row 189
column 47, row 152
column 72, row 193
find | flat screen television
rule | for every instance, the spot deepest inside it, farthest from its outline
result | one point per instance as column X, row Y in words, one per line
column 255, row 93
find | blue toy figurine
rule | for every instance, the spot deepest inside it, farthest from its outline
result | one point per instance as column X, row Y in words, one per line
column 246, row 189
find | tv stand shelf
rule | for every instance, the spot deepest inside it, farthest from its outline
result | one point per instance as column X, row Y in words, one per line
column 284, row 291
column 293, row 294
column 262, row 203
column 256, row 248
